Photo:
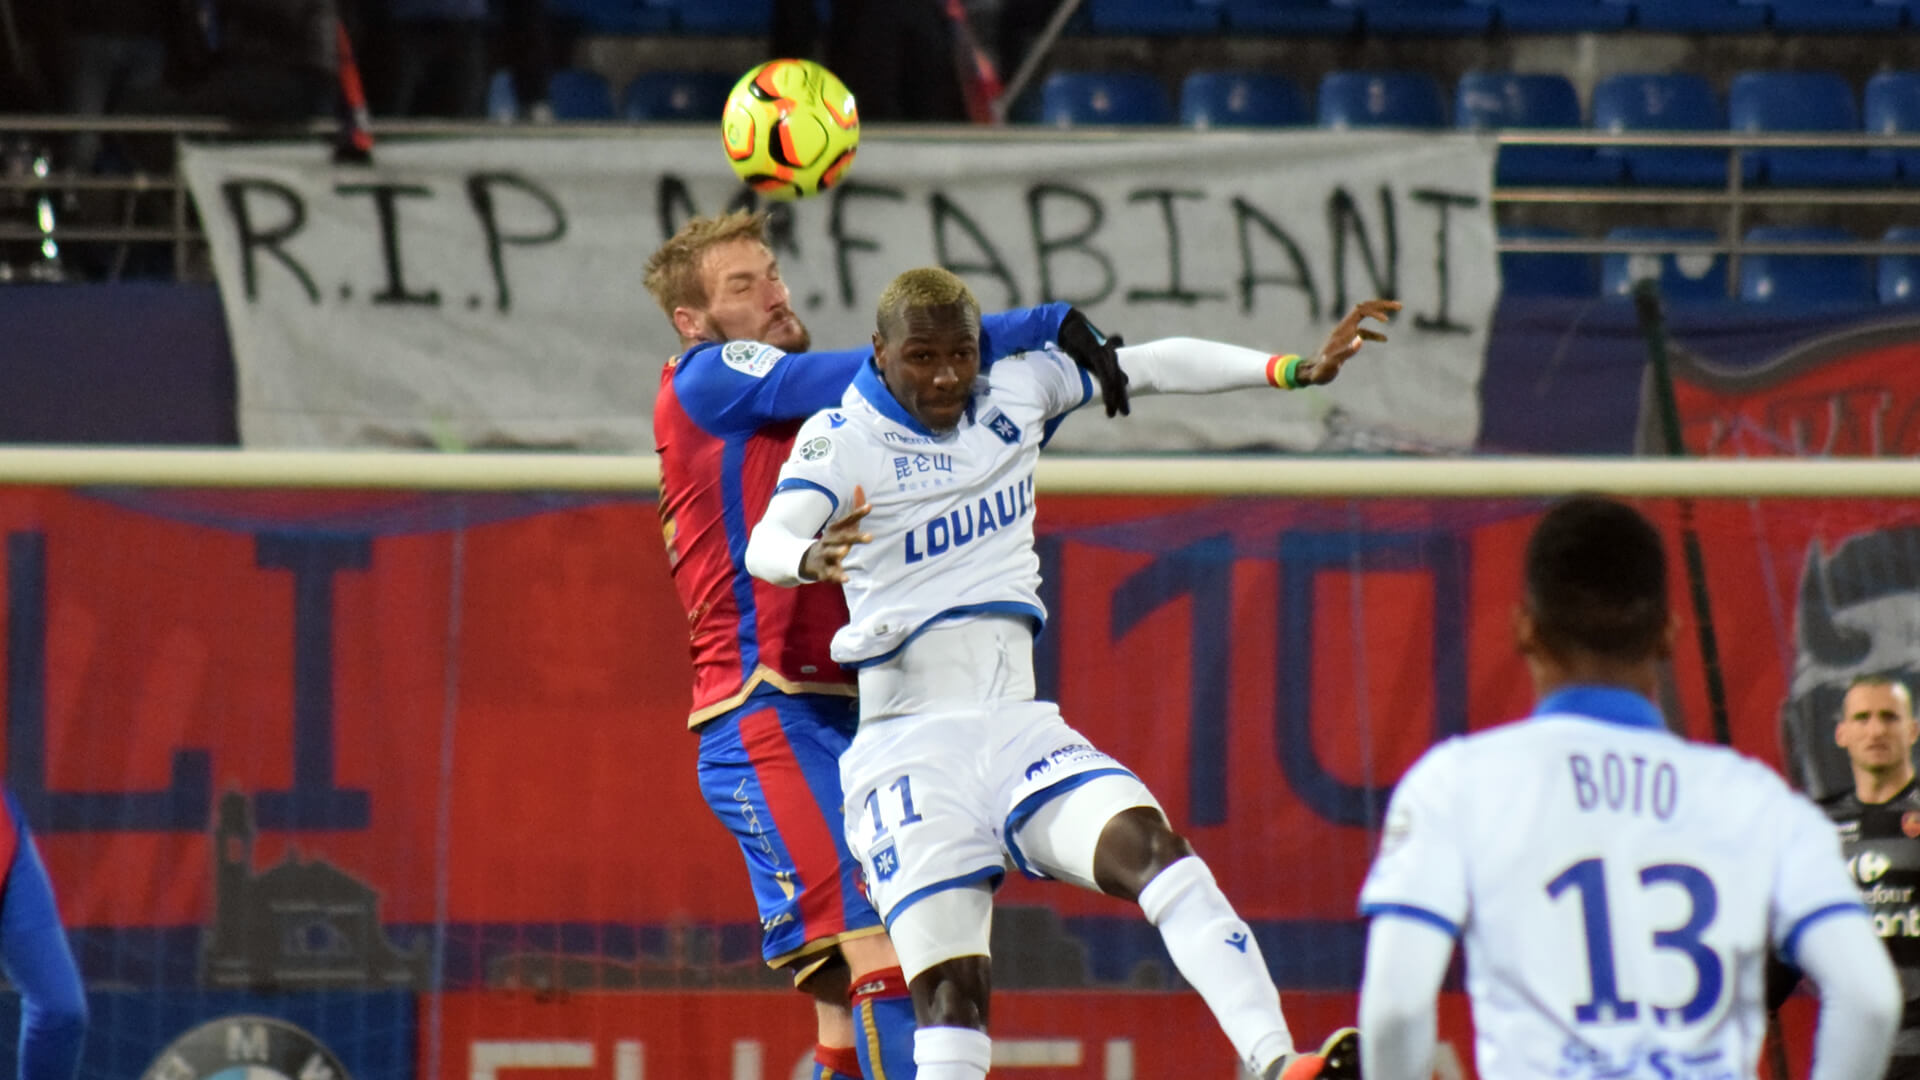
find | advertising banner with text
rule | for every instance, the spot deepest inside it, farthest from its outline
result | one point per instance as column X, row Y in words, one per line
column 488, row 292
column 454, row 726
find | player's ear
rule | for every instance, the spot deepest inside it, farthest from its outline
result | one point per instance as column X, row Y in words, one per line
column 688, row 324
column 1525, row 637
column 1668, row 635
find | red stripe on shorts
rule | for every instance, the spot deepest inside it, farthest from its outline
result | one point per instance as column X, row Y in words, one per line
column 800, row 821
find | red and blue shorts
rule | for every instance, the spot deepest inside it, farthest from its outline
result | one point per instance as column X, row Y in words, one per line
column 770, row 770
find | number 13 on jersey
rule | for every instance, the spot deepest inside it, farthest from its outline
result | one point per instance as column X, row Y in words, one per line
column 1588, row 880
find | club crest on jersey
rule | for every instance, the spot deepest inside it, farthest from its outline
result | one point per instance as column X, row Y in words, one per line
column 886, row 862
column 750, row 357
column 818, row 448
column 999, row 423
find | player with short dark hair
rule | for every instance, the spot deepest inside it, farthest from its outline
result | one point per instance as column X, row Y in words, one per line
column 774, row 711
column 1616, row 888
column 1879, row 823
column 916, row 493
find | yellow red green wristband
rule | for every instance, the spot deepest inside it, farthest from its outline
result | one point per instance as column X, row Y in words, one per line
column 1283, row 371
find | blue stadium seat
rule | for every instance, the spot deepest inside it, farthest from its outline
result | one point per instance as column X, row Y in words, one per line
column 1830, row 16
column 1558, row 16
column 676, row 95
column 1351, row 99
column 1682, row 277
column 1706, row 16
column 1073, row 98
column 1150, row 17
column 1290, row 16
column 1893, row 108
column 1538, row 274
column 1421, row 16
column 1241, row 99
column 1900, row 274
column 734, row 18
column 1486, row 100
column 1804, row 279
column 1802, row 101
column 503, row 103
column 579, row 94
column 613, row 16
column 1669, row 102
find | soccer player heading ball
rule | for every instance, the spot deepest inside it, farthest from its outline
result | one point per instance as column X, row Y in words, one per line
column 791, row 129
column 922, row 480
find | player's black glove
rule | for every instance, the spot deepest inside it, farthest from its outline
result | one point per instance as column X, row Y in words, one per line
column 1099, row 355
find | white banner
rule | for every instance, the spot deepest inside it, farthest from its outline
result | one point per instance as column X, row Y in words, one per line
column 486, row 293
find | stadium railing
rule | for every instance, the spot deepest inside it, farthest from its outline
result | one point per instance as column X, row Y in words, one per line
column 1229, row 475
column 1735, row 201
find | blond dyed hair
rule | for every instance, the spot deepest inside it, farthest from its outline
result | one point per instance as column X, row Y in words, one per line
column 673, row 273
column 929, row 286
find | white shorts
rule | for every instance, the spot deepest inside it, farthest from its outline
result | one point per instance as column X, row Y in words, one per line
column 938, row 802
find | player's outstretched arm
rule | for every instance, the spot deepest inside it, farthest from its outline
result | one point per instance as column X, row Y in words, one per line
column 1860, row 998
column 1198, row 366
column 734, row 387
column 1406, row 961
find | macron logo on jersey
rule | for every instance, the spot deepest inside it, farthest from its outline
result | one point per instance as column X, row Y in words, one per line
column 958, row 528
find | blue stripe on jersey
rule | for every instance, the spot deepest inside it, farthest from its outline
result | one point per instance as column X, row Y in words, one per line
column 876, row 392
column 1792, row 941
column 1417, row 914
column 1031, row 805
column 796, row 483
column 733, row 514
column 1607, row 704
column 991, row 607
column 994, row 874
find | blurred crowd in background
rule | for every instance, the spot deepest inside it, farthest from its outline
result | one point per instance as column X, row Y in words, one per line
column 271, row 67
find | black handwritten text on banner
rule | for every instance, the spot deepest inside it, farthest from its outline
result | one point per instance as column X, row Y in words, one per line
column 487, row 292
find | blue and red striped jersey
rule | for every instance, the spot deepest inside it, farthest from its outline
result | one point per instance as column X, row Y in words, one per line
column 723, row 425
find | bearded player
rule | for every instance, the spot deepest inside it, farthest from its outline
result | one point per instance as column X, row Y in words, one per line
column 772, row 709
column 916, row 492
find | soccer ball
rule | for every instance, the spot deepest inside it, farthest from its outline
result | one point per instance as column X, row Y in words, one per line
column 790, row 128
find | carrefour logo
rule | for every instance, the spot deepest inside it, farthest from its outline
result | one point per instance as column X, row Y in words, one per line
column 1868, row 866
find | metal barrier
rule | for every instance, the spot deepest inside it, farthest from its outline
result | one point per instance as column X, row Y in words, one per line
column 39, row 189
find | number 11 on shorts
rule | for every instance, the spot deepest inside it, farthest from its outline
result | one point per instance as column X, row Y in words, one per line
column 904, row 787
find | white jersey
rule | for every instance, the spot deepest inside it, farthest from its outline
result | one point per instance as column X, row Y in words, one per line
column 952, row 518
column 1616, row 889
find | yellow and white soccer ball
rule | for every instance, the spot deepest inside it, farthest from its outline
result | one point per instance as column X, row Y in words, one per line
column 791, row 129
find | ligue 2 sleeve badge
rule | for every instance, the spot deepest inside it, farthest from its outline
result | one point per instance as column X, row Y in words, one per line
column 246, row 1048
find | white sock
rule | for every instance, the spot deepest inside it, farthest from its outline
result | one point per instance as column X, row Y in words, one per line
column 1215, row 951
column 951, row 1053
